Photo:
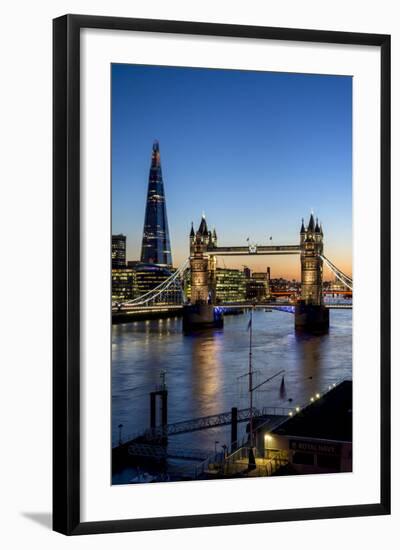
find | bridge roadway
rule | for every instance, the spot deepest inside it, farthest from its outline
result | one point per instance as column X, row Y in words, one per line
column 283, row 306
column 272, row 415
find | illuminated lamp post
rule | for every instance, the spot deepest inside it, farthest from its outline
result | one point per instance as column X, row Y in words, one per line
column 267, row 438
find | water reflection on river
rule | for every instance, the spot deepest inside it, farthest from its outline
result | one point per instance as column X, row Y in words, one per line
column 203, row 370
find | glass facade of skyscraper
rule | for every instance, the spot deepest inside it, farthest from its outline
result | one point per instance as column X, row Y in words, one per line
column 156, row 247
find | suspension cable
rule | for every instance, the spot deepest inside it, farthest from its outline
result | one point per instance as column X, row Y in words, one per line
column 160, row 288
column 347, row 281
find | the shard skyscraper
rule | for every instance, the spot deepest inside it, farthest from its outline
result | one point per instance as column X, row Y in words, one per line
column 156, row 247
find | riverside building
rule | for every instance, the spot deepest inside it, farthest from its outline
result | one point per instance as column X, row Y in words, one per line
column 316, row 439
column 118, row 251
column 230, row 285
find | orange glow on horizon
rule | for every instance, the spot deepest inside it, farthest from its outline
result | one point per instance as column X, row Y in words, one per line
column 286, row 267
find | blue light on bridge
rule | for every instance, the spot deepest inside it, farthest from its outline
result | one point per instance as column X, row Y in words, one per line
column 218, row 313
column 287, row 309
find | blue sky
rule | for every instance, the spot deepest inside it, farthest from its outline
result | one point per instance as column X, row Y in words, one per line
column 256, row 151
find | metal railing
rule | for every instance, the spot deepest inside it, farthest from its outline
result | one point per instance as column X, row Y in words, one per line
column 213, row 462
column 238, row 462
column 203, row 423
column 222, row 419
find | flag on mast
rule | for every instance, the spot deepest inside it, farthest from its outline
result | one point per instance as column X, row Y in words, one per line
column 282, row 390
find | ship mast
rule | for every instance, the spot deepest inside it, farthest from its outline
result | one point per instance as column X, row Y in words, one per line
column 252, row 389
column 251, row 376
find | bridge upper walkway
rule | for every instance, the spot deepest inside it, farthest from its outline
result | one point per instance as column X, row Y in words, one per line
column 255, row 250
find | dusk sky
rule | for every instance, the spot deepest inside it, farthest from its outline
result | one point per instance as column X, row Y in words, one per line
column 256, row 151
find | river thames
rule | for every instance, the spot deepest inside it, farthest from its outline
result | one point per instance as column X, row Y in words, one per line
column 204, row 371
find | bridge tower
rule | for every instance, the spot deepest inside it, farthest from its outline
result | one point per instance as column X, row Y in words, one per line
column 311, row 314
column 199, row 261
column 201, row 312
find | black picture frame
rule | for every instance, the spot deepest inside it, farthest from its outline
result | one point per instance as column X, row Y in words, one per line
column 66, row 273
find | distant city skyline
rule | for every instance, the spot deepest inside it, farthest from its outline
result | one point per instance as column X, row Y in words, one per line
column 255, row 151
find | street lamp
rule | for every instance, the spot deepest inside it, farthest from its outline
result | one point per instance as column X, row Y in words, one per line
column 215, row 446
column 267, row 438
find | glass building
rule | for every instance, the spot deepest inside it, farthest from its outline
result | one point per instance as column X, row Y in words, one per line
column 156, row 247
column 255, row 290
column 230, row 285
column 123, row 284
column 131, row 283
column 150, row 276
column 260, row 279
column 118, row 251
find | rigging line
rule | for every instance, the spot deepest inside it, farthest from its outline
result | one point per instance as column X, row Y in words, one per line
column 268, row 379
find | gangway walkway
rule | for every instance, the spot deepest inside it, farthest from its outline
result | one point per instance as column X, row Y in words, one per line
column 161, row 452
column 273, row 414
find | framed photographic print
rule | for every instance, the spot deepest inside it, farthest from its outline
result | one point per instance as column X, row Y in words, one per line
column 218, row 192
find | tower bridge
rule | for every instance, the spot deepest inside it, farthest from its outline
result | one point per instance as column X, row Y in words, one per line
column 310, row 312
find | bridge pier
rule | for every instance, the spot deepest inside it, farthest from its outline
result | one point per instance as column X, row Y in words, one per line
column 201, row 316
column 311, row 318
